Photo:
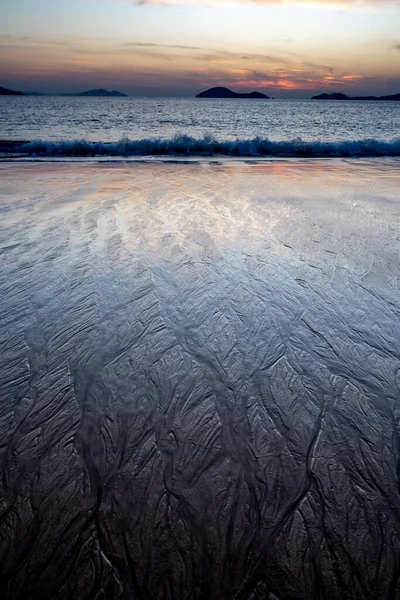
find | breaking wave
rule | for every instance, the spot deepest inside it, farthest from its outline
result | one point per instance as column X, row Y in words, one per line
column 183, row 145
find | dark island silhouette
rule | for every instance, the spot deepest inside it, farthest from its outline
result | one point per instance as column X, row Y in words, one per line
column 5, row 92
column 223, row 92
column 339, row 96
column 103, row 93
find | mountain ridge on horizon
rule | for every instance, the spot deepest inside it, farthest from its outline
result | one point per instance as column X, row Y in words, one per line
column 224, row 92
column 215, row 92
column 101, row 92
column 7, row 92
column 340, row 96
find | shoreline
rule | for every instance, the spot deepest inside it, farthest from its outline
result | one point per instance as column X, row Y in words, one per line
column 197, row 160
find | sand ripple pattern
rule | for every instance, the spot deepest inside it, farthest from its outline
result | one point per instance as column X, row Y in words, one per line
column 200, row 381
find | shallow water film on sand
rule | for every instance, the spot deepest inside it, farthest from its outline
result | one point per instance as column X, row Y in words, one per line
column 200, row 381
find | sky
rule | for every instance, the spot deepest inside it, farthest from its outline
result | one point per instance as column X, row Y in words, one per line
column 284, row 48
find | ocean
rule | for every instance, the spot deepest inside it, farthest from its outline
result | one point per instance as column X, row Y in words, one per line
column 73, row 126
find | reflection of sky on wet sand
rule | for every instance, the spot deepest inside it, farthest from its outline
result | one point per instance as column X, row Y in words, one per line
column 316, row 209
column 327, row 220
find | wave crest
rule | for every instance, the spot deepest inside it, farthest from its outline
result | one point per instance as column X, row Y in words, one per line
column 184, row 145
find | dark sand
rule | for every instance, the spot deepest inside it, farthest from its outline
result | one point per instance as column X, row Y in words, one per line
column 200, row 381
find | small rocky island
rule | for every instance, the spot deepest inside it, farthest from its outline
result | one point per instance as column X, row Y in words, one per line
column 5, row 92
column 339, row 96
column 103, row 93
column 223, row 92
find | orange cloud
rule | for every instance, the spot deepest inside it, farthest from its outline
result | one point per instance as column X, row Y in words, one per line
column 293, row 79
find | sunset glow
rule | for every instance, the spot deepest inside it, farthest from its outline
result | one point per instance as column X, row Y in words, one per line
column 286, row 49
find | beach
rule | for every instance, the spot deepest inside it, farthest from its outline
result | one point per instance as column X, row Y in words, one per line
column 200, row 379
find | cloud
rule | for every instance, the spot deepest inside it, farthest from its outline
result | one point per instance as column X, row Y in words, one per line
column 318, row 67
column 226, row 56
column 153, row 45
column 173, row 79
column 210, row 55
column 146, row 67
column 298, row 80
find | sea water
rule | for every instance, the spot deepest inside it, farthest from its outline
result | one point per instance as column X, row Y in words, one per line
column 72, row 125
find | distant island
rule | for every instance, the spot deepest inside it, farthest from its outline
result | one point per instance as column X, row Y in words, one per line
column 223, row 92
column 102, row 92
column 338, row 96
column 6, row 92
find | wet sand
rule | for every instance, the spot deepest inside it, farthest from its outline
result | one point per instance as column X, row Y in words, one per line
column 200, row 381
